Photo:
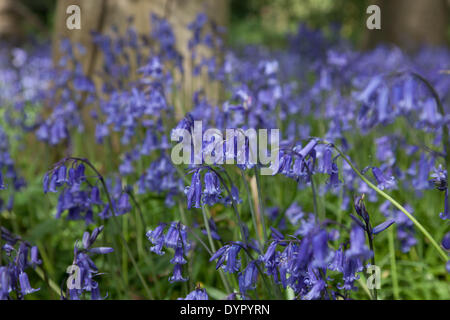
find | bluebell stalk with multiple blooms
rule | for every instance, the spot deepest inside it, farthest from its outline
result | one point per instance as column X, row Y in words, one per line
column 20, row 256
column 86, row 269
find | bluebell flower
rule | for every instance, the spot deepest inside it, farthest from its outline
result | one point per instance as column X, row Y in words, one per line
column 316, row 284
column 194, row 191
column 175, row 238
column 247, row 278
column 446, row 241
column 439, row 179
column 383, row 226
column 197, row 294
column 177, row 274
column 123, row 205
column 322, row 255
column 35, row 256
column 13, row 276
column 382, row 181
column 233, row 263
column 178, row 257
column 25, row 284
column 87, row 268
column 228, row 258
column 61, row 175
column 294, row 213
column 172, row 237
column 95, row 196
column 2, row 184
column 358, row 246
column 212, row 191
column 350, row 268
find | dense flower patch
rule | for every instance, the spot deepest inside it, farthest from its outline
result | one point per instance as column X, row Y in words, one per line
column 338, row 109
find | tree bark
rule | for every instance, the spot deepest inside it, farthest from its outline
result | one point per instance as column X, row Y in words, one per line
column 10, row 22
column 100, row 15
column 410, row 24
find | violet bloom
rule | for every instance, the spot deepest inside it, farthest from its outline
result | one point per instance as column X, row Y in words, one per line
column 177, row 274
column 321, row 252
column 247, row 278
column 358, row 246
column 212, row 191
column 197, row 294
column 2, row 185
column 194, row 191
column 175, row 238
column 25, row 284
column 87, row 268
column 441, row 183
column 383, row 182
column 316, row 284
column 123, row 205
column 13, row 276
column 446, row 246
column 228, row 254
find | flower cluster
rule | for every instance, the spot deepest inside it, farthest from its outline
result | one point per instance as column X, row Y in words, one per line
column 14, row 281
column 174, row 238
column 83, row 269
column 319, row 92
column 79, row 197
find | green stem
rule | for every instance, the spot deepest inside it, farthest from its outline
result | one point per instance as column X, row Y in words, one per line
column 49, row 281
column 375, row 294
column 260, row 204
column 252, row 209
column 393, row 263
column 233, row 204
column 213, row 248
column 395, row 203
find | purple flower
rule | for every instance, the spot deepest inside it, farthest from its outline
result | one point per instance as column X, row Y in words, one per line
column 247, row 279
column 123, row 205
column 446, row 241
column 175, row 238
column 194, row 191
column 25, row 284
column 61, row 175
column 87, row 268
column 177, row 274
column 322, row 256
column 228, row 254
column 197, row 294
column 383, row 226
column 382, row 181
column 2, row 184
column 358, row 248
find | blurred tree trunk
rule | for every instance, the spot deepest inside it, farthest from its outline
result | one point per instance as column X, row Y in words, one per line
column 100, row 15
column 10, row 22
column 410, row 24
